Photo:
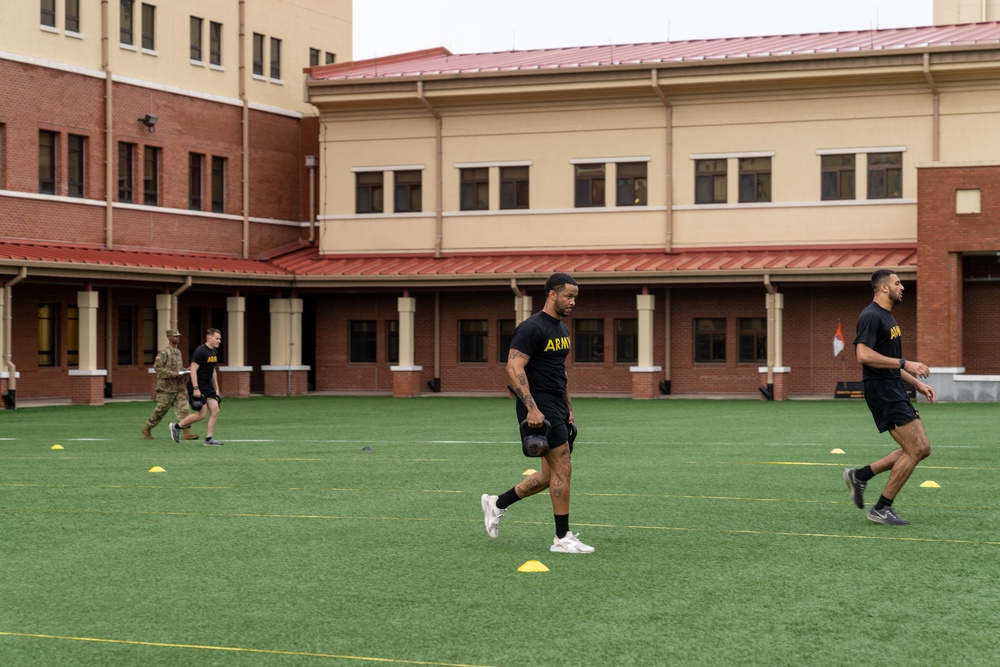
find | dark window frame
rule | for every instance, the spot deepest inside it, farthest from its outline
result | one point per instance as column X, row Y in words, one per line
column 362, row 341
column 711, row 181
column 408, row 191
column 197, row 39
column 515, row 187
column 755, row 180
column 218, row 184
column 632, row 184
column 330, row 58
column 148, row 27
column 369, row 192
column 196, row 181
column 474, row 189
column 48, row 13
column 275, row 59
column 48, row 335
column 72, row 16
column 885, row 175
column 76, row 165
column 838, row 177
column 589, row 185
column 126, row 175
column 152, row 162
column 215, row 43
column 314, row 57
column 473, row 341
column 126, row 22
column 751, row 335
column 258, row 54
column 392, row 341
column 588, row 340
column 48, row 171
column 72, row 335
column 710, row 340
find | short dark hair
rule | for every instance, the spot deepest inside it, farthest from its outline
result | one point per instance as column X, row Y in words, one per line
column 557, row 281
column 879, row 277
column 211, row 332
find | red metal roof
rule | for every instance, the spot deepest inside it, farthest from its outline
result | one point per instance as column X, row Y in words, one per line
column 440, row 61
column 306, row 263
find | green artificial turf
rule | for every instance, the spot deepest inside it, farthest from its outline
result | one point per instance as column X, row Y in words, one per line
column 724, row 535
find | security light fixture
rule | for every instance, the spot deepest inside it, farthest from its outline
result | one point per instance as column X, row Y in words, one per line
column 149, row 120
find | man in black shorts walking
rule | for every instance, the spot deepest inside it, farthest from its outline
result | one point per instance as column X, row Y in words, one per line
column 204, row 388
column 879, row 348
column 536, row 365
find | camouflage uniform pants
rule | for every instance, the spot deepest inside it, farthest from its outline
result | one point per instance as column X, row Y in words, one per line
column 164, row 401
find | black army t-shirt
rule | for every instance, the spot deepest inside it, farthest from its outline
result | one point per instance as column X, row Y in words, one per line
column 878, row 330
column 207, row 359
column 546, row 340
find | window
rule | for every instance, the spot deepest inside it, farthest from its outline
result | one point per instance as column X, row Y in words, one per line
column 710, row 181
column 472, row 339
column 505, row 330
column 126, row 160
column 753, row 339
column 218, row 184
column 275, row 58
column 148, row 27
column 632, row 184
column 125, row 23
column 589, row 185
column 513, row 187
column 755, row 179
column 627, row 341
column 408, row 191
column 47, row 162
column 215, row 43
column 148, row 335
column 838, row 177
column 47, row 350
column 474, row 189
column 588, row 342
column 73, row 16
column 362, row 340
column 258, row 54
column 710, row 340
column 392, row 341
column 72, row 336
column 126, row 336
column 885, row 175
column 196, row 38
column 49, row 13
column 151, row 176
column 368, row 194
column 331, row 58
column 313, row 57
column 196, row 164
column 76, row 159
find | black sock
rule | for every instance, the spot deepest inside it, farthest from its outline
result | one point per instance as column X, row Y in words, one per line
column 562, row 525
column 507, row 498
column 864, row 474
column 883, row 502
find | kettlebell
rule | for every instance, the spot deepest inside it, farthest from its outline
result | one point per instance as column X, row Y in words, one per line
column 535, row 445
column 571, row 427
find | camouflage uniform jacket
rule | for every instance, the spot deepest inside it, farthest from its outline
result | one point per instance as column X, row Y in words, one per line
column 168, row 361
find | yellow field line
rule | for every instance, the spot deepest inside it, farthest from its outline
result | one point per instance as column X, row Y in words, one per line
column 236, row 649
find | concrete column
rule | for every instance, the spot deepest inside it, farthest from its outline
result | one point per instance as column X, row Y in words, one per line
column 406, row 375
column 645, row 376
column 163, row 303
column 285, row 375
column 522, row 308
column 86, row 302
column 775, row 374
column 235, row 335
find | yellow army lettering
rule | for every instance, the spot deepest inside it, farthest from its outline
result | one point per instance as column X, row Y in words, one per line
column 895, row 333
column 555, row 344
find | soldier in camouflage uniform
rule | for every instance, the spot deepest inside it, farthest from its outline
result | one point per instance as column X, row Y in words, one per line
column 171, row 389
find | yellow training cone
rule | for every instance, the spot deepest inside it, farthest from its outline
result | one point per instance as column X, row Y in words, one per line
column 157, row 469
column 532, row 566
column 837, row 450
column 56, row 447
column 529, row 471
column 930, row 484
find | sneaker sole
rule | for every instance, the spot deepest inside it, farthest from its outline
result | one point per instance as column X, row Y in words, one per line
column 555, row 550
column 485, row 501
column 858, row 502
column 901, row 522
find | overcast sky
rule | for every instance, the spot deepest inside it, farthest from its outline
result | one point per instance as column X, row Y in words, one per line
column 386, row 27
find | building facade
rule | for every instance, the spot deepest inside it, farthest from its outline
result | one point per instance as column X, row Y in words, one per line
column 722, row 203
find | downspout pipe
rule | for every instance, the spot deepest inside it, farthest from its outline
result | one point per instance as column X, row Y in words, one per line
column 173, row 301
column 8, row 316
column 936, row 113
column 438, row 169
column 768, row 391
column 245, row 121
column 668, row 160
column 109, row 152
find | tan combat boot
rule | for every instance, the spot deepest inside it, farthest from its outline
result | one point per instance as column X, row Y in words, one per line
column 188, row 435
column 146, row 433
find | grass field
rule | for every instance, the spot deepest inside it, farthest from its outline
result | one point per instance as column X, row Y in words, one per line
column 724, row 536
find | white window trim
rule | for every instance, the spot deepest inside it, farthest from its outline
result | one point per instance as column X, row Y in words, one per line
column 726, row 156
column 483, row 165
column 598, row 160
column 870, row 149
column 403, row 167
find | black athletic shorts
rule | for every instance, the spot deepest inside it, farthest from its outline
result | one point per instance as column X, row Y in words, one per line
column 556, row 412
column 889, row 403
column 206, row 393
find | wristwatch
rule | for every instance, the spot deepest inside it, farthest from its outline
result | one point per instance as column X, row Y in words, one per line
column 902, row 363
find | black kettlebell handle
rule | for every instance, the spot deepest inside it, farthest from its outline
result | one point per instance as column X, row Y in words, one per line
column 545, row 424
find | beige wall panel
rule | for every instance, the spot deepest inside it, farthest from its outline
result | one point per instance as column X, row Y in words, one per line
column 948, row 12
column 884, row 223
column 598, row 231
column 393, row 235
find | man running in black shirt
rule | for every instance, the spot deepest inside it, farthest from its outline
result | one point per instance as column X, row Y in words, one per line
column 879, row 348
column 536, row 365
column 204, row 388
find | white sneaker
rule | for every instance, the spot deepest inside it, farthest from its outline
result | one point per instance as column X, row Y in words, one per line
column 492, row 514
column 570, row 544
